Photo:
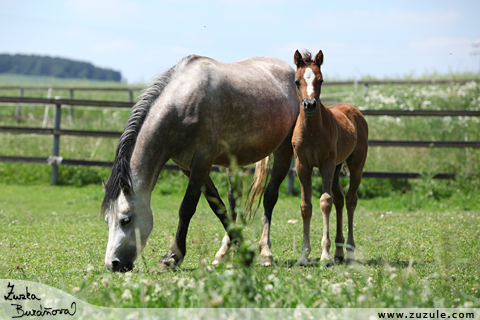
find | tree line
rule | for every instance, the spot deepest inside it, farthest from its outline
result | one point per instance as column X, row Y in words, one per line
column 55, row 67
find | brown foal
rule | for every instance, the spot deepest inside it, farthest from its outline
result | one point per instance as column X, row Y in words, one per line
column 327, row 137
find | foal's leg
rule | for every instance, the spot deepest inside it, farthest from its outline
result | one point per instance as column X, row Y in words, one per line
column 355, row 165
column 338, row 201
column 199, row 175
column 304, row 174
column 281, row 165
column 326, row 202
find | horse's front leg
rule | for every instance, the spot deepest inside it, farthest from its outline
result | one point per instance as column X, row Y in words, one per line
column 326, row 202
column 304, row 174
column 218, row 207
column 232, row 217
column 199, row 175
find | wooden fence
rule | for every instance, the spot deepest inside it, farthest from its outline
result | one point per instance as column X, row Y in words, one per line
column 55, row 160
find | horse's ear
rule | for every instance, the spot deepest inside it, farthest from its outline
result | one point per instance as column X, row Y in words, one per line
column 125, row 186
column 319, row 58
column 298, row 59
column 104, row 185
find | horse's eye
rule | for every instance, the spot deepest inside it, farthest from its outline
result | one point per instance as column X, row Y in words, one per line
column 125, row 221
column 297, row 82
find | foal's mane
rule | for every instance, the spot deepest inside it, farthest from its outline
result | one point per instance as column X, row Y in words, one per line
column 307, row 56
column 126, row 144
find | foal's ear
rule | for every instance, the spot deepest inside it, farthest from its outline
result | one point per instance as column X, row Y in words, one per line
column 125, row 186
column 298, row 59
column 104, row 185
column 319, row 58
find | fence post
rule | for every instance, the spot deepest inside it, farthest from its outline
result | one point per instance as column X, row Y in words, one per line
column 365, row 90
column 130, row 93
column 291, row 177
column 56, row 143
column 18, row 112
column 71, row 106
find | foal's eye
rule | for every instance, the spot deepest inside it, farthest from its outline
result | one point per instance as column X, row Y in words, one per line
column 125, row 221
column 297, row 82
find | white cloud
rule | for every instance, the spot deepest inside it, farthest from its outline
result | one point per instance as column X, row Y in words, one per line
column 331, row 46
column 438, row 42
column 377, row 21
column 114, row 46
column 105, row 9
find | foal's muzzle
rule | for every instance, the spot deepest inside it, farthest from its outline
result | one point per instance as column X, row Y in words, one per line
column 309, row 105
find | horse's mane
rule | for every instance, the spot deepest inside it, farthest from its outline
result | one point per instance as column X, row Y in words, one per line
column 126, row 144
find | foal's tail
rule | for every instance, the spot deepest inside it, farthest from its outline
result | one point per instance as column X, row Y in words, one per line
column 258, row 186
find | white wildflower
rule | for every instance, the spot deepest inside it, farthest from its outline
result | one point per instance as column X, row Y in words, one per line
column 126, row 294
column 105, row 282
column 361, row 298
column 336, row 288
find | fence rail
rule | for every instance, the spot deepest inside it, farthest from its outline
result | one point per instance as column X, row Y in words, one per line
column 327, row 83
column 56, row 160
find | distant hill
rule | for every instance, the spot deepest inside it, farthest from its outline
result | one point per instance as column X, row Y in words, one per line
column 55, row 67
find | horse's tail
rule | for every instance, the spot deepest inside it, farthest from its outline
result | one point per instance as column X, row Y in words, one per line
column 258, row 186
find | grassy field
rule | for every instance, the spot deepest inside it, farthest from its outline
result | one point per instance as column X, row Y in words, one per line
column 417, row 240
column 425, row 257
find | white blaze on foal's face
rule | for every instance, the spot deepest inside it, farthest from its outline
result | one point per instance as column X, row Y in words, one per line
column 309, row 77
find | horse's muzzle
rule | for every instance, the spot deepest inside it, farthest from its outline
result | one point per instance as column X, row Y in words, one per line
column 309, row 105
column 119, row 266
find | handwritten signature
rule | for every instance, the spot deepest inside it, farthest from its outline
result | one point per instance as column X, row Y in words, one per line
column 41, row 311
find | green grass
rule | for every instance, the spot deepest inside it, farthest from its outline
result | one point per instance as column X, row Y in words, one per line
column 425, row 256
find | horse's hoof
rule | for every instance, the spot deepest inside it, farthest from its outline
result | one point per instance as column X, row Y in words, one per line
column 339, row 259
column 302, row 262
column 350, row 261
column 265, row 261
column 168, row 261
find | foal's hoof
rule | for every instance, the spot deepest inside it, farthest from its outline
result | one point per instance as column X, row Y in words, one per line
column 217, row 261
column 265, row 261
column 168, row 261
column 327, row 263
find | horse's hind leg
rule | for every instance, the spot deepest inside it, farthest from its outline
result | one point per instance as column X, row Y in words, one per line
column 338, row 201
column 281, row 166
column 355, row 164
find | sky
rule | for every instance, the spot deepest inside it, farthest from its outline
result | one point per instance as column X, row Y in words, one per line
column 141, row 39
